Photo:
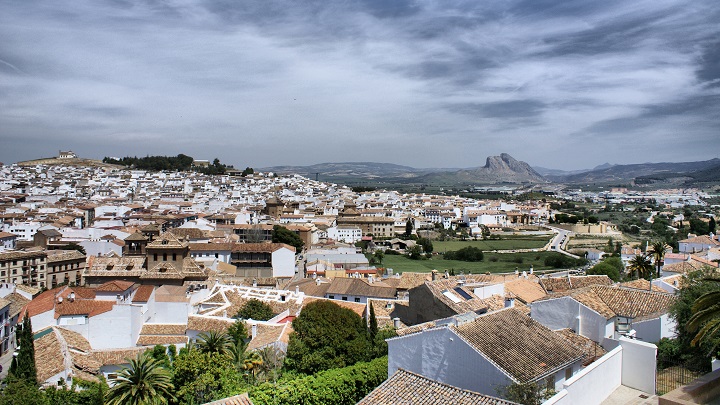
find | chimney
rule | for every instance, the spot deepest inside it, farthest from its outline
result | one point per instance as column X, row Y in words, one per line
column 297, row 290
column 434, row 275
column 370, row 279
column 225, row 314
column 254, row 331
column 447, row 275
column 524, row 274
column 72, row 296
column 531, row 269
column 254, row 283
column 317, row 281
column 396, row 323
column 509, row 302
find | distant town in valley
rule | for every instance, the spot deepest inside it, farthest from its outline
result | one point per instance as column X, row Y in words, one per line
column 502, row 284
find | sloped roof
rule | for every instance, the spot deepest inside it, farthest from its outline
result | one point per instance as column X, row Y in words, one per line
column 359, row 287
column 269, row 334
column 143, row 293
column 115, row 286
column 525, row 290
column 443, row 289
column 591, row 348
column 407, row 388
column 209, row 324
column 560, row 284
column 241, row 399
column 521, row 346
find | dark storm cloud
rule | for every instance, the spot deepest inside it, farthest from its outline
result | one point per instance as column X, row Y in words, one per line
column 284, row 82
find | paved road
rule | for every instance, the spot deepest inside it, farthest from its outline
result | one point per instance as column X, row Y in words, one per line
column 558, row 243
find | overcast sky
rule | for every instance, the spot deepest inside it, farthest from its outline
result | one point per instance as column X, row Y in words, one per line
column 558, row 84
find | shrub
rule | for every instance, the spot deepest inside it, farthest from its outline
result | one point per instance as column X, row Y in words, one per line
column 466, row 254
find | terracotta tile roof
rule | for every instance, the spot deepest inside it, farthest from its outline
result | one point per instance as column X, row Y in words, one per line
column 136, row 237
column 167, row 240
column 209, row 324
column 17, row 302
column 592, row 349
column 143, row 293
column 407, row 388
column 241, row 399
column 443, row 289
column 48, row 358
column 633, row 303
column 560, row 284
column 52, row 355
column 163, row 329
column 210, row 247
column 521, row 346
column 410, row 280
column 64, row 255
column 641, row 284
column 187, row 233
column 152, row 340
column 269, row 334
column 359, row 287
column 260, row 247
column 415, row 328
column 683, row 267
column 525, row 290
column 83, row 307
column 115, row 286
column 310, row 287
column 5, row 303
column 118, row 356
column 385, row 311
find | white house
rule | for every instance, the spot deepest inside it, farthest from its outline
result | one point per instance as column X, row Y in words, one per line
column 487, row 353
column 601, row 312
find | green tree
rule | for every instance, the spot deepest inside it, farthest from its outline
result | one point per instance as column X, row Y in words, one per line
column 698, row 226
column 426, row 244
column 705, row 319
column 237, row 332
column 145, row 381
column 604, row 268
column 641, row 266
column 693, row 287
column 466, row 254
column 657, row 252
column 414, row 253
column 22, row 392
column 23, row 367
column 408, row 227
column 204, row 377
column 339, row 386
column 280, row 234
column 326, row 336
column 379, row 256
column 373, row 327
column 530, row 393
column 256, row 309
column 213, row 342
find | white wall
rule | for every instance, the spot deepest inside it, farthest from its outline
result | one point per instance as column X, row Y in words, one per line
column 115, row 329
column 43, row 320
column 593, row 325
column 648, row 330
column 283, row 262
column 441, row 355
column 169, row 312
column 638, row 365
column 593, row 384
column 556, row 313
column 490, row 290
column 668, row 327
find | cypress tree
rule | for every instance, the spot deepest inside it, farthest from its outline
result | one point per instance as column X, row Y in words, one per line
column 373, row 324
column 25, row 361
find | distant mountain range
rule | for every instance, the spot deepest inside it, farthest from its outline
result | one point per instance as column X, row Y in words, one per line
column 506, row 169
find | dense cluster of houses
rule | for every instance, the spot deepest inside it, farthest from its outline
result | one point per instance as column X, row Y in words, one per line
column 108, row 263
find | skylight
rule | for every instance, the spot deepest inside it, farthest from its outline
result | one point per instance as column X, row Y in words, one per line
column 452, row 296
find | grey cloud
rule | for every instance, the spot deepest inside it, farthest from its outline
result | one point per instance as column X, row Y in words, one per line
column 505, row 109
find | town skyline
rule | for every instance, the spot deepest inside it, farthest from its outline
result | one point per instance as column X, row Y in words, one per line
column 568, row 86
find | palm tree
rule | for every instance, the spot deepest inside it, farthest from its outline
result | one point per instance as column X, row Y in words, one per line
column 272, row 361
column 641, row 265
column 213, row 342
column 251, row 362
column 657, row 251
column 144, row 382
column 706, row 318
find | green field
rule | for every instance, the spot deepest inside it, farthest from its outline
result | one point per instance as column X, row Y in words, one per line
column 505, row 263
column 527, row 242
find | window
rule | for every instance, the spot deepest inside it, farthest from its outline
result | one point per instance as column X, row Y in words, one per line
column 550, row 383
column 332, row 297
column 623, row 324
column 568, row 373
column 344, row 298
column 357, row 299
column 174, row 256
column 164, row 257
column 155, row 257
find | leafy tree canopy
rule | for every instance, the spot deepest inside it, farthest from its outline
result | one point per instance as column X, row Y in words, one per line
column 255, row 309
column 327, row 336
column 280, row 234
column 604, row 268
column 466, row 254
